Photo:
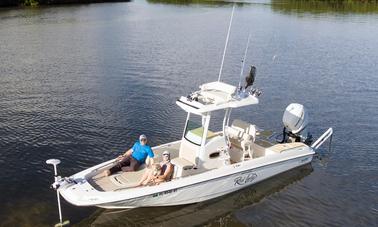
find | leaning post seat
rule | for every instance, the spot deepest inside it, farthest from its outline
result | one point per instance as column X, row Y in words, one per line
column 242, row 135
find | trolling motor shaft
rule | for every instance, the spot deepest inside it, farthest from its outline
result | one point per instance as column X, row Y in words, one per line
column 56, row 185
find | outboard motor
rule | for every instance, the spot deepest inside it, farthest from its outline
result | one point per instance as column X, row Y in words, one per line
column 295, row 120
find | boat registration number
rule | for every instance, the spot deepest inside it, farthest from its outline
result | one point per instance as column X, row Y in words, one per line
column 164, row 193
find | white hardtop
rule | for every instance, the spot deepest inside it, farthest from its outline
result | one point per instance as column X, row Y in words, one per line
column 215, row 96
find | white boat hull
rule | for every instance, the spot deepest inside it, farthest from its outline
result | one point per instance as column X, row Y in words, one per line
column 210, row 189
column 190, row 189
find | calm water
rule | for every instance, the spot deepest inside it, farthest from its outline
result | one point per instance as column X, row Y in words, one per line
column 79, row 83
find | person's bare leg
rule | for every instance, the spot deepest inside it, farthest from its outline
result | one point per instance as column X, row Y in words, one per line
column 144, row 177
column 158, row 181
column 103, row 174
column 149, row 178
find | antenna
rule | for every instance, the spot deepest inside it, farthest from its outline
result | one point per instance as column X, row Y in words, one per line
column 225, row 45
column 243, row 61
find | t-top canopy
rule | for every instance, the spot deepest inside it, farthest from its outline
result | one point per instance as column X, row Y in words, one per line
column 215, row 96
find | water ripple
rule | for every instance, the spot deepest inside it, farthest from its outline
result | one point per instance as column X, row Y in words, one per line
column 80, row 83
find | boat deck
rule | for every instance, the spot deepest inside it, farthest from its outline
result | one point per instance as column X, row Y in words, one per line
column 122, row 180
column 116, row 181
column 262, row 147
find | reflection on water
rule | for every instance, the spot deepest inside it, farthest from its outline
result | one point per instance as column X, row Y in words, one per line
column 24, row 213
column 209, row 212
column 188, row 2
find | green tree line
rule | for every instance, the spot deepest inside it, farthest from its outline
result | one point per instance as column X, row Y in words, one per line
column 287, row 3
column 6, row 3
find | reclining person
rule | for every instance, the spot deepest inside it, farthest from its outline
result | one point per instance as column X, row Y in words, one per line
column 159, row 173
column 149, row 177
column 133, row 158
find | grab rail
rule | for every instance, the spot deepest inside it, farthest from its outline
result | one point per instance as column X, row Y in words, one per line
column 322, row 139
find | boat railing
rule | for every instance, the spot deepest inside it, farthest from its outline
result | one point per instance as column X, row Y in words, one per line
column 327, row 134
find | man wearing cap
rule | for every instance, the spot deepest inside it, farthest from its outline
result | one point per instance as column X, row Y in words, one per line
column 133, row 158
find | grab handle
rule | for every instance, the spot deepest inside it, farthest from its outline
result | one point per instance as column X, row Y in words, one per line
column 327, row 134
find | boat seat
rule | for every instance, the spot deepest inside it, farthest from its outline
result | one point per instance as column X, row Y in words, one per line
column 175, row 169
column 180, row 165
column 242, row 135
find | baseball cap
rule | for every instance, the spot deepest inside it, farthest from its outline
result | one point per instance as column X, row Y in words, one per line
column 141, row 137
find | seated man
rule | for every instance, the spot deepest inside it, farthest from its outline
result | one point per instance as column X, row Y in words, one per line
column 133, row 158
column 165, row 172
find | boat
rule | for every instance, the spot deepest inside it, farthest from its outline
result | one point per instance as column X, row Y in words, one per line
column 208, row 163
column 197, row 214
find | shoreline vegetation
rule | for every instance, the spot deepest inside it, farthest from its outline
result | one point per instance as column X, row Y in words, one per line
column 18, row 3
column 284, row 6
column 294, row 6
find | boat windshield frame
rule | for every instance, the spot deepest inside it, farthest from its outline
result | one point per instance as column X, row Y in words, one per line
column 193, row 132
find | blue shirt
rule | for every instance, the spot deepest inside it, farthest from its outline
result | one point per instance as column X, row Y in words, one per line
column 140, row 152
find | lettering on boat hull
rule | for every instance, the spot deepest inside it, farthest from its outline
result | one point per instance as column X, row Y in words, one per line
column 245, row 179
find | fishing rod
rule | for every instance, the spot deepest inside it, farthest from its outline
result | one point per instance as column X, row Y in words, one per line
column 225, row 45
column 243, row 61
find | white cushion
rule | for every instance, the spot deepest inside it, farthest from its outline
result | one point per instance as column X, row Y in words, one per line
column 245, row 127
column 181, row 162
column 219, row 86
column 234, row 133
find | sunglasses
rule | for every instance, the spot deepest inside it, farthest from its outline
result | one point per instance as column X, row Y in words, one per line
column 165, row 154
column 143, row 140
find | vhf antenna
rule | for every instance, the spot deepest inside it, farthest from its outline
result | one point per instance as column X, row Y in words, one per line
column 243, row 62
column 225, row 46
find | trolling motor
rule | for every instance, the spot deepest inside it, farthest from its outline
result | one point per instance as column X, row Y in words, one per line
column 56, row 185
